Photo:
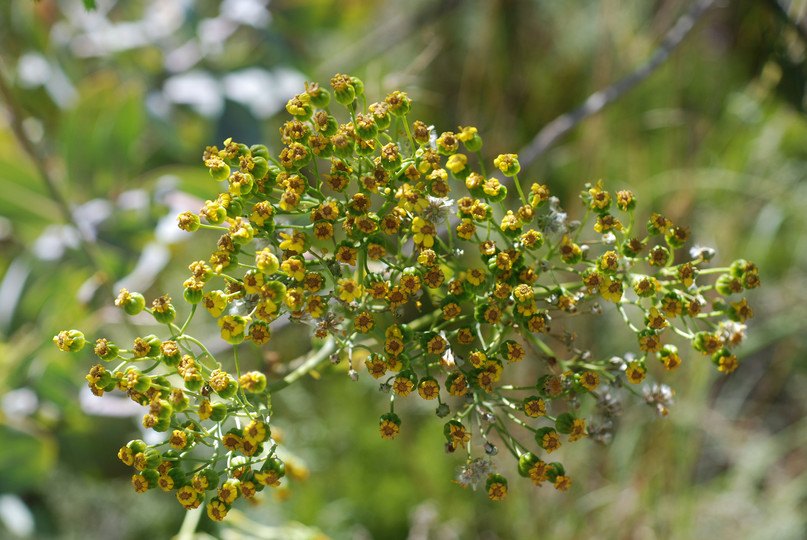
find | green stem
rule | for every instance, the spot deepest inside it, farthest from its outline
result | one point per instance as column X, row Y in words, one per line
column 244, row 400
column 520, row 193
column 188, row 529
column 306, row 367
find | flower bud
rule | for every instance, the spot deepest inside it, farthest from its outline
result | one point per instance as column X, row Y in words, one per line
column 343, row 89
column 69, row 340
column 320, row 98
column 564, row 423
column 398, row 103
column 525, row 463
column 219, row 412
column 218, row 170
column 105, row 350
column 508, row 164
column 253, row 382
column 496, row 486
column 131, row 302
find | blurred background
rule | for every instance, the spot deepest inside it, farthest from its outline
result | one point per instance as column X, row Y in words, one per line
column 104, row 118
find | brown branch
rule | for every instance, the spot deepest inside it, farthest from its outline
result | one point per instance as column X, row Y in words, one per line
column 561, row 125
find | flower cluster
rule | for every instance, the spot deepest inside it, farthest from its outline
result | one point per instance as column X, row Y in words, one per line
column 393, row 242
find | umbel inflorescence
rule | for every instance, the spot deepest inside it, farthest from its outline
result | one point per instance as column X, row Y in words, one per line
column 405, row 254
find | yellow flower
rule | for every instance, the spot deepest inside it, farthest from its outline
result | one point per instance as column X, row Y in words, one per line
column 534, row 407
column 609, row 262
column 294, row 242
column 656, row 320
column 261, row 212
column 510, row 222
column 635, row 372
column 728, row 363
column 376, row 366
column 346, row 255
column 214, row 302
column 508, row 164
column 294, row 268
column 388, row 429
column 466, row 133
column 428, row 388
column 232, row 328
column 402, row 386
column 424, row 232
column 466, row 229
column 457, row 163
column 364, row 322
column 589, row 380
column 475, row 276
column 315, row 306
column 600, row 199
column 217, row 510
column 550, row 441
column 578, row 430
column 266, row 261
column 349, row 290
column 742, row 310
column 611, row 290
column 562, row 482
column 650, row 343
column 295, row 298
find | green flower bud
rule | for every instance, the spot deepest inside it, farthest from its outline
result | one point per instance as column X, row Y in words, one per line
column 228, row 391
column 554, row 470
column 276, row 465
column 343, row 89
column 162, row 425
column 136, row 446
column 192, row 296
column 738, row 268
column 358, row 85
column 564, row 423
column 194, row 384
column 205, row 480
column 149, row 476
column 259, row 150
column 240, row 184
column 178, row 476
column 166, row 315
column 366, row 127
column 525, row 463
column 69, row 340
column 474, row 144
column 132, row 303
column 219, row 170
column 142, row 382
column 253, row 382
column 219, row 412
column 188, row 221
column 148, row 459
column 728, row 284
column 260, row 168
column 398, row 103
column 105, row 350
column 380, row 111
column 320, row 98
column 508, row 164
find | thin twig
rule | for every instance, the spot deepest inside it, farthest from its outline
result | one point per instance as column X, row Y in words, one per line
column 561, row 125
column 39, row 159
